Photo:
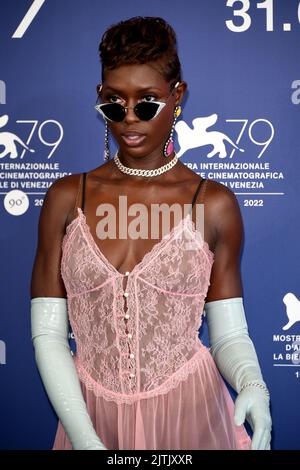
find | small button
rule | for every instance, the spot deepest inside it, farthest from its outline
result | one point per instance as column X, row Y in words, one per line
column 132, row 375
column 126, row 316
column 127, row 273
column 126, row 294
column 132, row 355
column 129, row 335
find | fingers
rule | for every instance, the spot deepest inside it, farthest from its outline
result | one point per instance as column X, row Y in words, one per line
column 265, row 441
column 261, row 439
column 256, row 438
column 239, row 412
column 262, row 430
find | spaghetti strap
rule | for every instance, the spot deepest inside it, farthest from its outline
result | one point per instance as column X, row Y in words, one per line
column 77, row 196
column 83, row 192
column 201, row 185
column 81, row 184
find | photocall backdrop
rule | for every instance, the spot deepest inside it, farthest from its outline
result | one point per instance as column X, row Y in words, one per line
column 239, row 126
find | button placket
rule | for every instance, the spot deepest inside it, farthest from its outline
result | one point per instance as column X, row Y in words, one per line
column 130, row 355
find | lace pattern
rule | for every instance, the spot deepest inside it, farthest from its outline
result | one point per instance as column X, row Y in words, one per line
column 171, row 383
column 146, row 342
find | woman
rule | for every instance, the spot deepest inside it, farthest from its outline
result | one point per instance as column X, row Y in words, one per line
column 141, row 378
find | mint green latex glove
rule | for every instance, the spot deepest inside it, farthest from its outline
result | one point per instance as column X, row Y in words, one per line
column 236, row 359
column 49, row 326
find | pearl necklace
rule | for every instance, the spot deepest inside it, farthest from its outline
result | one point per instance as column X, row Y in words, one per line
column 139, row 172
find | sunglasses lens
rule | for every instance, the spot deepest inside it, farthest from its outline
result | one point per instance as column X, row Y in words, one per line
column 146, row 110
column 114, row 111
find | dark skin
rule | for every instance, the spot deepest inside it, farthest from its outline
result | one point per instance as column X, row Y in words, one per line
column 223, row 227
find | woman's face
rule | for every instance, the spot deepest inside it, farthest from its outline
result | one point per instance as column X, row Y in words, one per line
column 130, row 84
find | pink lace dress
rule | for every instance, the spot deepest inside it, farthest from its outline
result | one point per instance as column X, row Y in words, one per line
column 147, row 379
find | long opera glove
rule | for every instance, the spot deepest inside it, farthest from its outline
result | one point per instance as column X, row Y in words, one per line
column 236, row 359
column 49, row 326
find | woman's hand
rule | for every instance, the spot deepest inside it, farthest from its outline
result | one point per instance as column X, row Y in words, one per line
column 253, row 404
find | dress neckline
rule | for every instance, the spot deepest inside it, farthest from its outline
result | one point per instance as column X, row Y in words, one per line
column 156, row 248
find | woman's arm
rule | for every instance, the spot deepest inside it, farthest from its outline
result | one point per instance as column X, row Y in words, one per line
column 49, row 319
column 231, row 346
column 46, row 280
column 224, row 217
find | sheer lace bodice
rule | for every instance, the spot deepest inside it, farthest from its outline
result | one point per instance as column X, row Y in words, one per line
column 136, row 334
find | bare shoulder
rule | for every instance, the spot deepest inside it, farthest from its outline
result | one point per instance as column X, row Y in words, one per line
column 222, row 211
column 61, row 196
column 219, row 197
column 64, row 188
